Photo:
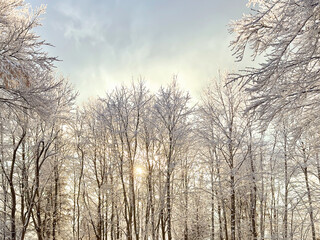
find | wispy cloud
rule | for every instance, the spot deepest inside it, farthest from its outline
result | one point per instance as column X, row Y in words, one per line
column 107, row 42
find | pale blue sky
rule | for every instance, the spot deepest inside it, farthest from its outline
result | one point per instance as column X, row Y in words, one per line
column 104, row 43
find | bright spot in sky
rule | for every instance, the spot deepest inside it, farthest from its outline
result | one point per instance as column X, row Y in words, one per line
column 139, row 171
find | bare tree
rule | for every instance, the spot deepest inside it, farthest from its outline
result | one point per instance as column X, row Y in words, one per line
column 223, row 107
column 172, row 111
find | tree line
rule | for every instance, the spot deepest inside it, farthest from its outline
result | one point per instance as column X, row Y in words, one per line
column 242, row 163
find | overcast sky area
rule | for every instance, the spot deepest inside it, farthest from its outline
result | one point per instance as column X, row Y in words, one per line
column 104, row 43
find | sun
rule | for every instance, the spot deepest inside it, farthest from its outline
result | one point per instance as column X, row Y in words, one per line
column 139, row 171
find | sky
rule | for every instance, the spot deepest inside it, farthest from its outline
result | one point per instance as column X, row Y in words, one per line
column 106, row 43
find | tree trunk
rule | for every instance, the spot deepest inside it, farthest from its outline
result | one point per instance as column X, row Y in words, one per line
column 168, row 202
column 233, row 208
column 79, row 192
column 305, row 171
column 212, row 199
column 12, row 189
column 253, row 194
column 286, row 182
column 55, row 199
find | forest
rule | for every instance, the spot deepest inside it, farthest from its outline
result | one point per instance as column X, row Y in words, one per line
column 242, row 162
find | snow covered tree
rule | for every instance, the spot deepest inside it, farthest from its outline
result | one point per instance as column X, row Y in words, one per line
column 31, row 154
column 26, row 78
column 222, row 114
column 286, row 33
column 173, row 118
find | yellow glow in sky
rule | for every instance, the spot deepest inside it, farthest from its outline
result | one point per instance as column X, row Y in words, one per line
column 139, row 171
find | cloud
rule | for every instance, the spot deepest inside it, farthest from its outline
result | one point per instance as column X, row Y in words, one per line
column 104, row 43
